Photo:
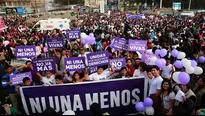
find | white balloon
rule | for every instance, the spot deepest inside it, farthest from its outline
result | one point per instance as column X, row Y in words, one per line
column 153, row 60
column 83, row 35
column 198, row 70
column 69, row 112
column 186, row 63
column 190, row 70
column 175, row 77
column 181, row 55
column 149, row 110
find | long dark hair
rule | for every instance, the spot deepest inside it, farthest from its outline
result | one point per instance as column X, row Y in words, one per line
column 76, row 72
column 170, row 86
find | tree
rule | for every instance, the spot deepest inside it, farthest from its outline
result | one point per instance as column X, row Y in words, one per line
column 65, row 2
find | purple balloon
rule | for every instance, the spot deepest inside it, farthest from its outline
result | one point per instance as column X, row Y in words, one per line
column 157, row 52
column 163, row 52
column 184, row 78
column 193, row 63
column 178, row 64
column 160, row 63
column 140, row 107
column 148, row 102
column 84, row 41
column 201, row 59
column 175, row 53
column 91, row 35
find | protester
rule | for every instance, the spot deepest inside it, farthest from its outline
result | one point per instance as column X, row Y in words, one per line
column 199, row 90
column 167, row 96
column 123, row 73
column 170, row 32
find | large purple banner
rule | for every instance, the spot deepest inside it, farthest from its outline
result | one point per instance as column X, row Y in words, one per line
column 44, row 64
column 118, row 97
column 18, row 78
column 148, row 58
column 98, row 59
column 55, row 43
column 25, row 51
column 117, row 64
column 76, row 63
column 73, row 34
column 137, row 45
column 119, row 44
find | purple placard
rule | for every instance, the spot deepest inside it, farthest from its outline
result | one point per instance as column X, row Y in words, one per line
column 137, row 45
column 118, row 97
column 117, row 64
column 73, row 34
column 147, row 58
column 25, row 51
column 98, row 59
column 55, row 43
column 18, row 78
column 119, row 44
column 44, row 64
column 75, row 63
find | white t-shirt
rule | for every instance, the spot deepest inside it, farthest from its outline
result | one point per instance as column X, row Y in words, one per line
column 137, row 73
column 166, row 99
column 97, row 77
column 167, row 71
column 155, row 85
column 49, row 81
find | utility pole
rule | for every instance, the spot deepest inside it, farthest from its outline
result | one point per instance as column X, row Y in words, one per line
column 189, row 5
column 160, row 4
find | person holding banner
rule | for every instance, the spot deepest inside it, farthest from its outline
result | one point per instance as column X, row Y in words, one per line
column 49, row 78
column 123, row 73
column 59, row 79
column 61, row 57
column 6, row 83
column 101, row 74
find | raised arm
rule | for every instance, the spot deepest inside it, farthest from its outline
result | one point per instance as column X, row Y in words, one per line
column 41, row 77
column 57, row 71
column 56, row 53
column 66, row 76
column 86, row 76
column 91, row 49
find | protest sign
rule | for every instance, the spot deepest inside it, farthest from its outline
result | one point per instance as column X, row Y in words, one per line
column 73, row 34
column 137, row 45
column 118, row 97
column 55, row 43
column 18, row 78
column 119, row 44
column 44, row 64
column 25, row 51
column 117, row 64
column 98, row 59
column 76, row 63
column 149, row 58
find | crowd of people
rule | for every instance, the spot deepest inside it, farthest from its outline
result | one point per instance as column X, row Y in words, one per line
column 169, row 32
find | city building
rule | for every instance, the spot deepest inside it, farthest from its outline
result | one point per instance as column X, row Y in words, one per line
column 93, row 3
column 30, row 6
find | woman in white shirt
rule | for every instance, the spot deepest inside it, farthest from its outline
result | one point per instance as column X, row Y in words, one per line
column 167, row 96
column 141, row 71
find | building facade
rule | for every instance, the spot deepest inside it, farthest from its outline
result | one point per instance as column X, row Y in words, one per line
column 30, row 6
column 93, row 3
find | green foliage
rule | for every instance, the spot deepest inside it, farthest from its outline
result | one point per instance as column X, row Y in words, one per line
column 65, row 2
